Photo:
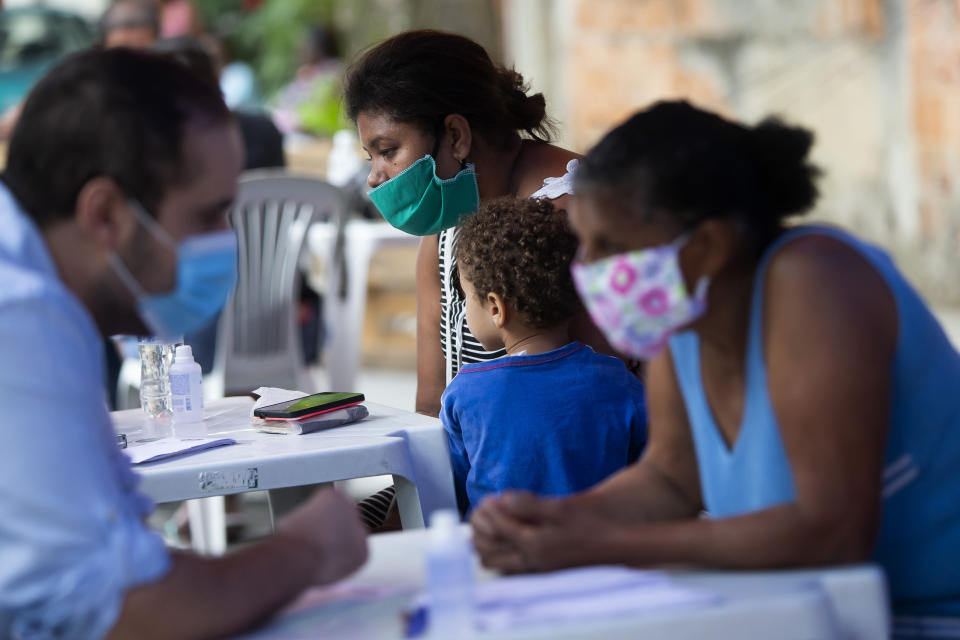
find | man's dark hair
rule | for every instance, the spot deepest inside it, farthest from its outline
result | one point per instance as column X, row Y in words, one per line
column 521, row 249
column 191, row 53
column 130, row 14
column 117, row 113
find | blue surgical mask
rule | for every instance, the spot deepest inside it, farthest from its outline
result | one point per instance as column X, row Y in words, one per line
column 206, row 273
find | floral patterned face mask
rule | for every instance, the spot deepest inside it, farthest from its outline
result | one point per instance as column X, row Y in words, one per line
column 638, row 299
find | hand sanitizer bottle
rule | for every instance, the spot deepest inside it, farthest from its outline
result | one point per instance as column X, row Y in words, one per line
column 450, row 578
column 186, row 379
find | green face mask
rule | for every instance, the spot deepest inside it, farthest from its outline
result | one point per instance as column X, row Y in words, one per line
column 420, row 203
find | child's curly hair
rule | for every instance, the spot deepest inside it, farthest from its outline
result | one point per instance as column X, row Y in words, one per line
column 521, row 249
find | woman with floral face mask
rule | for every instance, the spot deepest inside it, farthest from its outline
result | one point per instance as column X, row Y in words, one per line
column 446, row 129
column 800, row 393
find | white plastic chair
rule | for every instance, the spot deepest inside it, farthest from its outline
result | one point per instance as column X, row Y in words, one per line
column 258, row 343
column 128, row 384
column 344, row 315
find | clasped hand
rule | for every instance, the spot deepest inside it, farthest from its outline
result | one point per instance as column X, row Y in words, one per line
column 519, row 532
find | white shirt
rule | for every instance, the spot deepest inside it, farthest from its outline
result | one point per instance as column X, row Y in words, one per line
column 72, row 537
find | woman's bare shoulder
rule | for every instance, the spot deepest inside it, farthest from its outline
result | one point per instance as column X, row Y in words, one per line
column 538, row 161
column 817, row 276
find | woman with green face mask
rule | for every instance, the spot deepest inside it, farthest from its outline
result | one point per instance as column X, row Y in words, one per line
column 445, row 129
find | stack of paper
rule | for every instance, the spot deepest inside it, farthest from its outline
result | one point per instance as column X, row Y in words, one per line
column 338, row 418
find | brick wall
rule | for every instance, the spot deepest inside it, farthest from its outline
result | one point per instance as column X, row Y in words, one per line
column 934, row 54
column 877, row 80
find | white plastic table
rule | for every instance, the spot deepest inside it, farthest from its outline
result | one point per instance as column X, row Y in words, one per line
column 409, row 446
column 847, row 603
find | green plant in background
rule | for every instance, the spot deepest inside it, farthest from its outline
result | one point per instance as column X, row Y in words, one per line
column 269, row 37
column 322, row 113
column 278, row 30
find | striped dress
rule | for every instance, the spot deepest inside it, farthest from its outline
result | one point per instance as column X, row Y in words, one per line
column 460, row 347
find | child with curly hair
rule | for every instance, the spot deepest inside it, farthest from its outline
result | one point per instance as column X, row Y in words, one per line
column 551, row 416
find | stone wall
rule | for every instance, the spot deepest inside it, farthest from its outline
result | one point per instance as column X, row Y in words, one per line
column 365, row 22
column 877, row 80
column 933, row 54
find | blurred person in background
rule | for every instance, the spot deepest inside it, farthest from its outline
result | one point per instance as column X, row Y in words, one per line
column 311, row 102
column 179, row 18
column 237, row 78
column 130, row 23
column 120, row 160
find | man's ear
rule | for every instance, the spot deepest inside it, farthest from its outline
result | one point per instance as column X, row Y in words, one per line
column 458, row 131
column 102, row 214
column 499, row 312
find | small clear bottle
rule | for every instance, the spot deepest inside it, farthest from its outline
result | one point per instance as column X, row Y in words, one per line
column 186, row 389
column 156, row 356
column 450, row 578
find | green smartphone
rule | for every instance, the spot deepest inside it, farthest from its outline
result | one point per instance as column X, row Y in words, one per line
column 308, row 406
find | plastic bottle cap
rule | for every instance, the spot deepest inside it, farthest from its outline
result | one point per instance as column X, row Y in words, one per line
column 344, row 138
column 184, row 353
column 444, row 525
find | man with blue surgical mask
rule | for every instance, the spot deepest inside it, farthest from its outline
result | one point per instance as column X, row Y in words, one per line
column 206, row 271
column 113, row 220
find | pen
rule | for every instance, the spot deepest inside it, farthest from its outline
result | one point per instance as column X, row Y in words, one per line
column 415, row 622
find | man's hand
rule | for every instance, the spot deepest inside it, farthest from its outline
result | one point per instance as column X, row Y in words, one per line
column 520, row 532
column 320, row 542
column 329, row 524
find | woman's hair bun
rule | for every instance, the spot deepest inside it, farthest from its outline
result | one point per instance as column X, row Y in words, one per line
column 785, row 174
column 529, row 112
column 689, row 164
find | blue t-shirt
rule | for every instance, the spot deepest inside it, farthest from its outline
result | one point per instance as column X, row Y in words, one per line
column 553, row 423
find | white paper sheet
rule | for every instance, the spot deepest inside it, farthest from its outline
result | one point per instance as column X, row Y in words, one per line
column 622, row 601
column 579, row 594
column 171, row 447
column 525, row 589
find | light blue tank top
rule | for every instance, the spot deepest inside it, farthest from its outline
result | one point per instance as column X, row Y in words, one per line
column 919, row 538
